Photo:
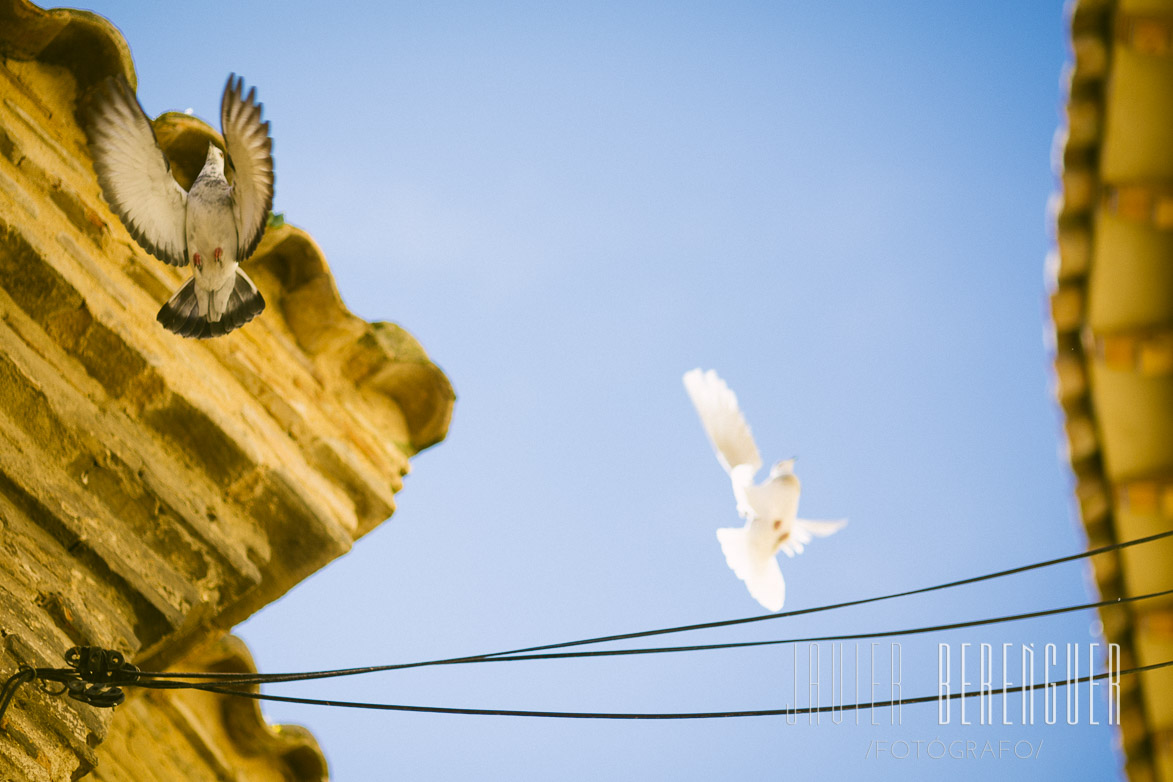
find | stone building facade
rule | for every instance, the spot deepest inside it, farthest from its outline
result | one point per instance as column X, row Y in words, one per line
column 156, row 491
column 1112, row 309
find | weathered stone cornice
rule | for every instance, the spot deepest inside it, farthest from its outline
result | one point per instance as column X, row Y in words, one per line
column 155, row 491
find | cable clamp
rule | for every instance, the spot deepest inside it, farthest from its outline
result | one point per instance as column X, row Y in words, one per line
column 95, row 677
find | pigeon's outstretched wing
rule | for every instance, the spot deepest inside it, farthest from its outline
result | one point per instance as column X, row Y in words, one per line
column 758, row 569
column 717, row 407
column 724, row 424
column 804, row 531
column 134, row 173
column 250, row 154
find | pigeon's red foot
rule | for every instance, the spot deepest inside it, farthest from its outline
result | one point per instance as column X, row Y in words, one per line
column 217, row 253
column 197, row 260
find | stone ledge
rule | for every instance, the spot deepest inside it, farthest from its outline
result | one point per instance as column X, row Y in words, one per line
column 154, row 491
column 204, row 736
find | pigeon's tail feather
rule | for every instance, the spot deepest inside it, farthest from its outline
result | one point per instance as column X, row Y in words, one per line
column 761, row 574
column 244, row 303
column 181, row 314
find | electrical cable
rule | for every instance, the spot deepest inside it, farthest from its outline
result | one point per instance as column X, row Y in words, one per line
column 798, row 711
column 97, row 675
column 259, row 678
column 528, row 652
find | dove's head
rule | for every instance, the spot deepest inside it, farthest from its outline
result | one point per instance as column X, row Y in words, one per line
column 784, row 467
column 214, row 163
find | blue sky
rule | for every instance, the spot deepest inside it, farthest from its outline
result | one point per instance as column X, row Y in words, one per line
column 840, row 206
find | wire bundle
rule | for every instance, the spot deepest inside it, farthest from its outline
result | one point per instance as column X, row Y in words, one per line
column 97, row 675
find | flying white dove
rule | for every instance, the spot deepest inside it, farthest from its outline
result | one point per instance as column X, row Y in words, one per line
column 770, row 508
column 214, row 225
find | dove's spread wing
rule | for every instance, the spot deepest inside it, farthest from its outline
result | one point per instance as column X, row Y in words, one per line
column 820, row 529
column 250, row 153
column 804, row 531
column 717, row 407
column 766, row 586
column 134, row 173
column 760, row 572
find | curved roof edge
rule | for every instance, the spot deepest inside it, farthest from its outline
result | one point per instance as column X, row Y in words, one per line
column 1111, row 306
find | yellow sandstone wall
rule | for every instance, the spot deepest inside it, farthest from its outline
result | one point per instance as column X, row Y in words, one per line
column 189, row 736
column 1112, row 309
column 155, row 491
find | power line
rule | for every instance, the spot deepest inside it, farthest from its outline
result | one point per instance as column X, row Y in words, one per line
column 848, row 604
column 97, row 675
column 818, row 639
column 259, row 678
column 581, row 715
column 529, row 652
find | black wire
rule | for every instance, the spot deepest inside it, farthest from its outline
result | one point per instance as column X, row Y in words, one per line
column 278, row 677
column 23, row 676
column 654, row 715
column 108, row 688
column 833, row 606
column 515, row 653
column 815, row 639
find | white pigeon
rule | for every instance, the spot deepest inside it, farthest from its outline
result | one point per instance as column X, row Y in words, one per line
column 214, row 226
column 770, row 508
